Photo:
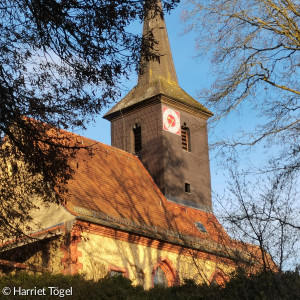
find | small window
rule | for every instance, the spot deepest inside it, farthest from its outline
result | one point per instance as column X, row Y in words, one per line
column 113, row 273
column 137, row 138
column 185, row 138
column 13, row 168
column 187, row 188
column 201, row 227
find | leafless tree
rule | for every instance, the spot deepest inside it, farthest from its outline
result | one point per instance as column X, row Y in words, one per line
column 264, row 213
column 61, row 62
column 255, row 46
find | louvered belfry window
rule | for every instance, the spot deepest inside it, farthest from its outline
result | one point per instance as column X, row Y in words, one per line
column 185, row 137
column 137, row 136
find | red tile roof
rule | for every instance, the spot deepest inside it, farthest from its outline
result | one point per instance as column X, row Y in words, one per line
column 113, row 185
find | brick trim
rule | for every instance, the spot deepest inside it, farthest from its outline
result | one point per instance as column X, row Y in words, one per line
column 52, row 231
column 220, row 277
column 145, row 241
column 69, row 248
column 22, row 266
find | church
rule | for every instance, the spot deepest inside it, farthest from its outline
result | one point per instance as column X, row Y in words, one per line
column 142, row 207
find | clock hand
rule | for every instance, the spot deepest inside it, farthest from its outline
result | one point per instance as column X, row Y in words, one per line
column 172, row 120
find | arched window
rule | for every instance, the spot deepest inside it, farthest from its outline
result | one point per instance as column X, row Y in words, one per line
column 185, row 138
column 160, row 277
column 219, row 278
column 137, row 138
column 164, row 273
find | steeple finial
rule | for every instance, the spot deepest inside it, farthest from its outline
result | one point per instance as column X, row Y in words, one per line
column 151, row 70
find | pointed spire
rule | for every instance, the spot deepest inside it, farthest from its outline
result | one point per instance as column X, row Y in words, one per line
column 157, row 77
column 164, row 68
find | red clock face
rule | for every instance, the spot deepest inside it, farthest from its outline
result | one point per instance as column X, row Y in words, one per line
column 171, row 120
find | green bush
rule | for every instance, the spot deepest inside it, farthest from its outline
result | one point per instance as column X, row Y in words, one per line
column 265, row 285
column 116, row 287
column 187, row 291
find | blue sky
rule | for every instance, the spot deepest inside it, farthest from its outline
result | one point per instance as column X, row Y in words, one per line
column 193, row 75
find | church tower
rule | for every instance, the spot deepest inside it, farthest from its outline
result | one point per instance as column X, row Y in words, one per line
column 165, row 127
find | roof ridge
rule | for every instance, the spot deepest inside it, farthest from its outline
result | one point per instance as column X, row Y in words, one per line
column 97, row 143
